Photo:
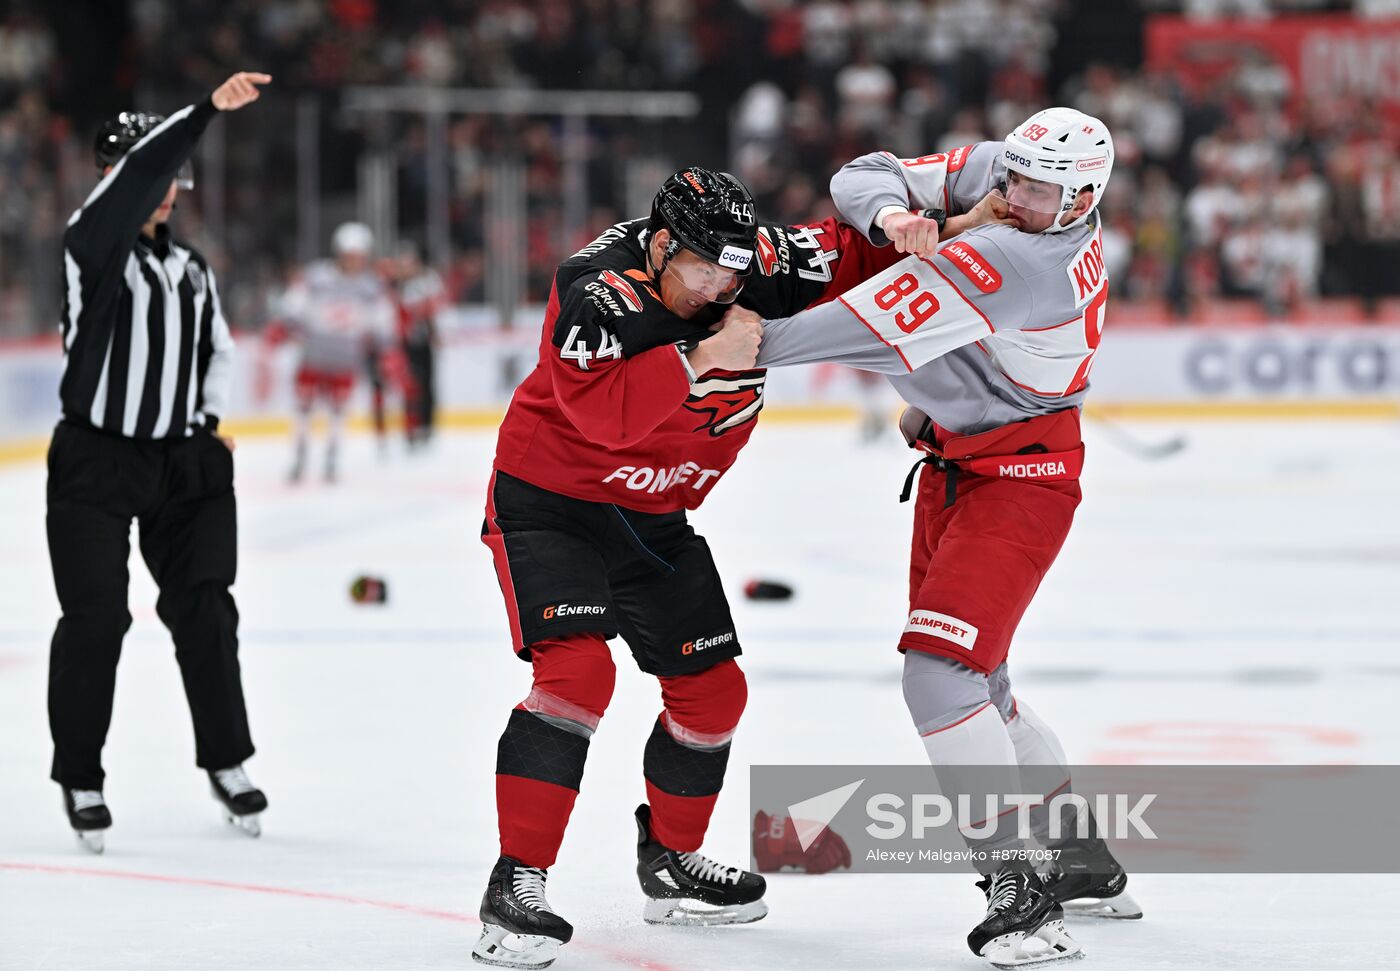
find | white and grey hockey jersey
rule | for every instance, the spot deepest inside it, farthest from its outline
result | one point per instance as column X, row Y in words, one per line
column 1000, row 325
column 338, row 317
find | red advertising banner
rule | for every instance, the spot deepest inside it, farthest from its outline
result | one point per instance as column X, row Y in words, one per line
column 1325, row 56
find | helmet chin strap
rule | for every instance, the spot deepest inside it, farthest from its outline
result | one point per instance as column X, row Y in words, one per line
column 1057, row 227
column 672, row 248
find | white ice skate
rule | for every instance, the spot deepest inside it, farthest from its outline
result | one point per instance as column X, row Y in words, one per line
column 1023, row 924
column 1121, row 907
column 691, row 890
column 241, row 801
column 1088, row 882
column 503, row 948
column 89, row 816
column 519, row 929
column 1049, row 943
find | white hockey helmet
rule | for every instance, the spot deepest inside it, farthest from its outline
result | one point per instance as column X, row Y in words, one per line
column 352, row 237
column 1066, row 147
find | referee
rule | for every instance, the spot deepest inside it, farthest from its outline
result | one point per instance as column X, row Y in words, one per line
column 146, row 378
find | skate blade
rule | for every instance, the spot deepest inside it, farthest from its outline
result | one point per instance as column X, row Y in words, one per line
column 92, row 840
column 248, row 825
column 1121, row 907
column 1047, row 945
column 686, row 912
column 503, row 949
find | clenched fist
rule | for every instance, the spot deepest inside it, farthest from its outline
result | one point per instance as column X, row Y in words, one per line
column 911, row 233
column 239, row 90
column 734, row 346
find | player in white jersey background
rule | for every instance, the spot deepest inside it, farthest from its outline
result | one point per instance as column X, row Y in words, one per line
column 988, row 331
column 341, row 314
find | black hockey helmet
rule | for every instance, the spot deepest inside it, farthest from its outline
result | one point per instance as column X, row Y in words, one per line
column 119, row 133
column 709, row 213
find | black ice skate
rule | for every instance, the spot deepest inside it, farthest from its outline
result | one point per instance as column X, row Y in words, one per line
column 687, row 888
column 242, row 801
column 1088, row 882
column 1024, row 924
column 298, row 464
column 89, row 816
column 518, row 927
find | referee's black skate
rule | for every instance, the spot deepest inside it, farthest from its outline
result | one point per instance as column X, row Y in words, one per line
column 519, row 929
column 1088, row 882
column 89, row 816
column 689, row 889
column 242, row 801
column 1024, row 925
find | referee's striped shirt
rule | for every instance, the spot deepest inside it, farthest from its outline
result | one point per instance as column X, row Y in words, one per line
column 147, row 350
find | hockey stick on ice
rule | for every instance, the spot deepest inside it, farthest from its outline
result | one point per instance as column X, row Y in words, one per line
column 1130, row 443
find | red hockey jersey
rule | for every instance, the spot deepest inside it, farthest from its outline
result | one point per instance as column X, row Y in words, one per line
column 609, row 413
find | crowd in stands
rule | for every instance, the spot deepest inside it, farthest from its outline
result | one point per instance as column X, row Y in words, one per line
column 1244, row 189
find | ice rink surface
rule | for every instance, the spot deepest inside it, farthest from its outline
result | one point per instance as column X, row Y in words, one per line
column 1235, row 603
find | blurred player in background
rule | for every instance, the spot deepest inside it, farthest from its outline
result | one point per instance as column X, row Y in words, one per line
column 419, row 296
column 640, row 402
column 147, row 368
column 988, row 331
column 341, row 315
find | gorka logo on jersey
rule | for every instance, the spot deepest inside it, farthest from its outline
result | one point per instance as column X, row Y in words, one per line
column 726, row 401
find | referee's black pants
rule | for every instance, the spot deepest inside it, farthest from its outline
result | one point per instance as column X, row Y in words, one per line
column 180, row 493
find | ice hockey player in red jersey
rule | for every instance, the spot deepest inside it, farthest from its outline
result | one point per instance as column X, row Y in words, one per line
column 988, row 330
column 639, row 404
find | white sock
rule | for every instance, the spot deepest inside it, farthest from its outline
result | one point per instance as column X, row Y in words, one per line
column 982, row 739
column 1035, row 741
column 1046, row 771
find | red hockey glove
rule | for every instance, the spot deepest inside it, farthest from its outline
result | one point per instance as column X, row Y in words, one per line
column 775, row 846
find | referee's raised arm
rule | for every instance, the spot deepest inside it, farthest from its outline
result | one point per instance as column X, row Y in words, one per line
column 132, row 186
column 119, row 284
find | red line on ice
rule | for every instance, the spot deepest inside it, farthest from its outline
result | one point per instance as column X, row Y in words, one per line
column 622, row 957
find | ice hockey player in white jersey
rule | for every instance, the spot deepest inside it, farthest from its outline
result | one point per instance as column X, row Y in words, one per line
column 341, row 313
column 988, row 330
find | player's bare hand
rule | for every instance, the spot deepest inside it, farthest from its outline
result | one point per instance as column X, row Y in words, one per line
column 734, row 346
column 991, row 210
column 228, row 441
column 239, row 90
column 911, row 233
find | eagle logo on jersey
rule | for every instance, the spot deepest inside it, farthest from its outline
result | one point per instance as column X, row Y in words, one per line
column 624, row 289
column 767, row 253
column 727, row 400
